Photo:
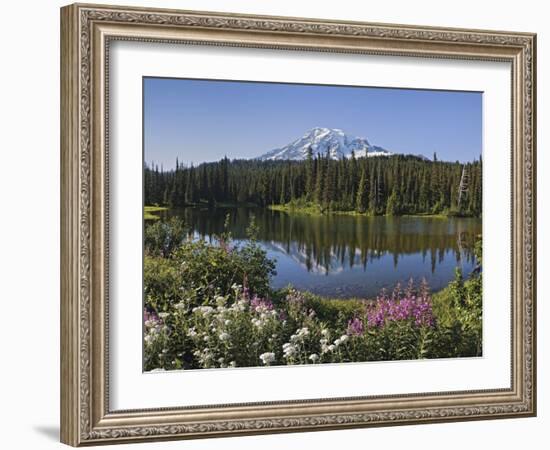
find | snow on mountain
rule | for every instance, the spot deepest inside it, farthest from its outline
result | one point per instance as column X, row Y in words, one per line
column 320, row 140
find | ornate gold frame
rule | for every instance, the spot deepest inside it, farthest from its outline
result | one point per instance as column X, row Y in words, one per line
column 86, row 31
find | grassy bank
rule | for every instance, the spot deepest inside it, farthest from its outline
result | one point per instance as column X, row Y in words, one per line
column 313, row 209
column 149, row 212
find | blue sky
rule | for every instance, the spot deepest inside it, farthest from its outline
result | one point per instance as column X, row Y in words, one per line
column 202, row 120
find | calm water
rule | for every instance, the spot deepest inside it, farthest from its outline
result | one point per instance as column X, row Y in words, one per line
column 348, row 256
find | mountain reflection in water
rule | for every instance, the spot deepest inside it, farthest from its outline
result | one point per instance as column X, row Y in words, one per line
column 348, row 256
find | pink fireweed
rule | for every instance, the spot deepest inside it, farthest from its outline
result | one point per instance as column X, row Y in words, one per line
column 355, row 327
column 409, row 307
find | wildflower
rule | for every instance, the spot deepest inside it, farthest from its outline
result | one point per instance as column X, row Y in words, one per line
column 289, row 350
column 355, row 327
column 180, row 306
column 314, row 357
column 261, row 305
column 224, row 336
column 402, row 307
column 163, row 315
column 267, row 358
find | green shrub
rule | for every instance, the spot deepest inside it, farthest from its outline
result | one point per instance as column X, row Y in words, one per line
column 162, row 238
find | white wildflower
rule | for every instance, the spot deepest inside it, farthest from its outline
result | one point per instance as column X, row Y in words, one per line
column 224, row 336
column 267, row 358
column 314, row 357
column 289, row 349
column 181, row 306
column 163, row 315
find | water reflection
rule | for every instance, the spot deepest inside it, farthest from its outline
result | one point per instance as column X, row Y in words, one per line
column 355, row 255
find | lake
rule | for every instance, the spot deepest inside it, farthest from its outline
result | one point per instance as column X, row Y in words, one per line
column 348, row 256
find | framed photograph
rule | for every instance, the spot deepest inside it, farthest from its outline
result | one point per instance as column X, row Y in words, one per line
column 278, row 224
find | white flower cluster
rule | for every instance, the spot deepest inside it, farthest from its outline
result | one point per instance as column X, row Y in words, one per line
column 206, row 310
column 326, row 347
column 224, row 336
column 264, row 318
column 181, row 306
column 291, row 348
column 204, row 356
column 267, row 358
column 153, row 331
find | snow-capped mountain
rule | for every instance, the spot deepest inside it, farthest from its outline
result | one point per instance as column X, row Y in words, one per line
column 320, row 140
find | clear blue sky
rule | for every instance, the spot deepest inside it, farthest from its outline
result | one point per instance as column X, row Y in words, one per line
column 201, row 120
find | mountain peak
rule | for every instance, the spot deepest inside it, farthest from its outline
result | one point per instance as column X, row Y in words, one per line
column 323, row 140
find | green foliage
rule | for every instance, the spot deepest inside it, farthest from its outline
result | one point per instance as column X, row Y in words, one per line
column 392, row 206
column 209, row 304
column 149, row 212
column 162, row 238
column 201, row 269
column 235, row 330
column 362, row 199
column 379, row 185
column 459, row 306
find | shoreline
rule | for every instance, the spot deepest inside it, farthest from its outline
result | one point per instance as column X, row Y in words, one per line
column 313, row 211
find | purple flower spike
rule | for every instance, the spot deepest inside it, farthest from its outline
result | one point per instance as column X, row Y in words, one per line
column 355, row 327
column 407, row 306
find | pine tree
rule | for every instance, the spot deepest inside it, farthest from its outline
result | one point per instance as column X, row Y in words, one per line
column 362, row 199
column 310, row 174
